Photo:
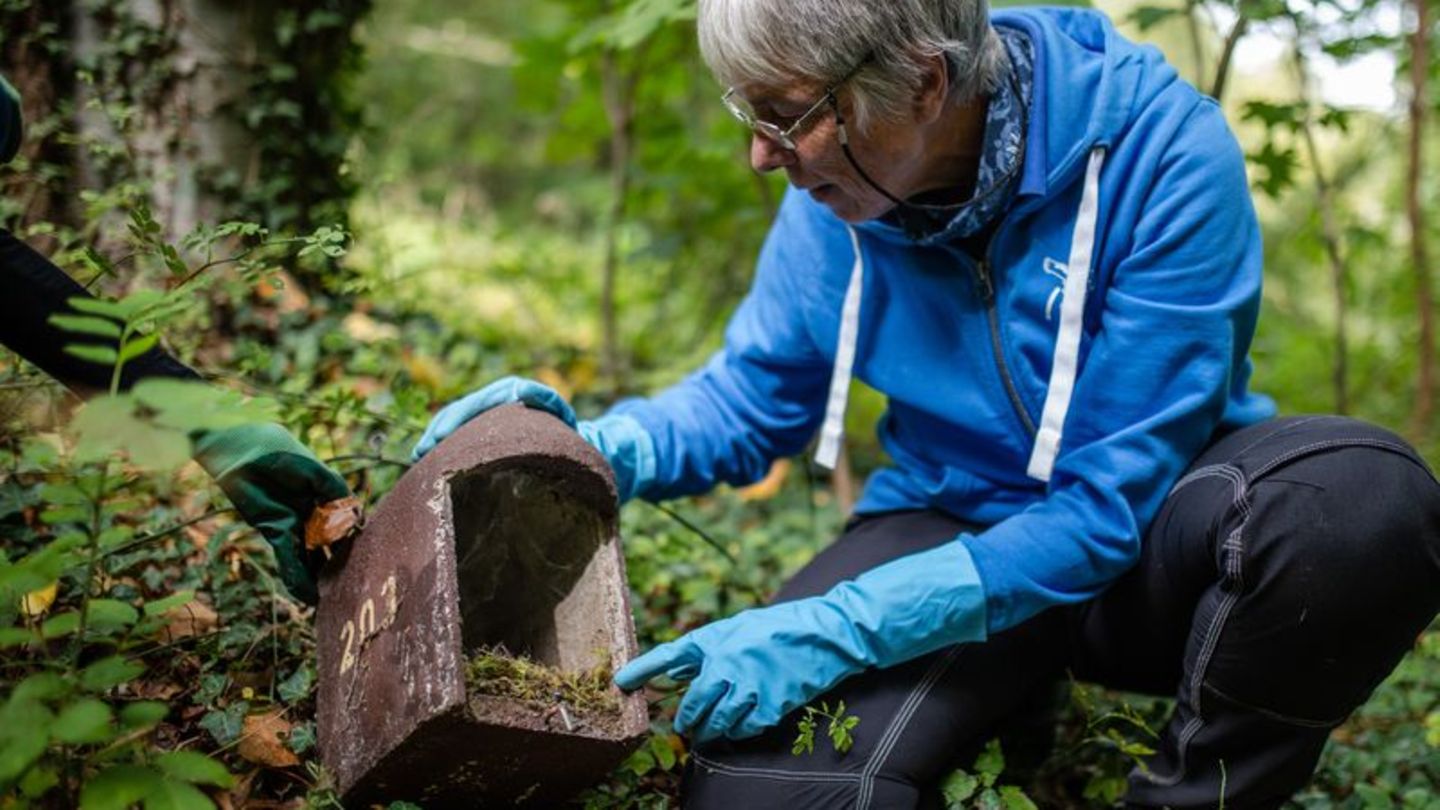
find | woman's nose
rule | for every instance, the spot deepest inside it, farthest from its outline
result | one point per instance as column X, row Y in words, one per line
column 766, row 155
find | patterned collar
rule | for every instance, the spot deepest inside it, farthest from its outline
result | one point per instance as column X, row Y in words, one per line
column 1000, row 158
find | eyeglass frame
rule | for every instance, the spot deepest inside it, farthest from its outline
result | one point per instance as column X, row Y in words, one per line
column 786, row 137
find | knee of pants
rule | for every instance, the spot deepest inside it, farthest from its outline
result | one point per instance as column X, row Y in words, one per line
column 1338, row 572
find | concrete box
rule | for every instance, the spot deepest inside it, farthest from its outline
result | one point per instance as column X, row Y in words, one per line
column 504, row 534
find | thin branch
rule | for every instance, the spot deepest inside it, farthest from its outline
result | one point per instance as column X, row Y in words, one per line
column 1419, row 258
column 163, row 533
column 699, row 532
column 1329, row 233
column 1227, row 52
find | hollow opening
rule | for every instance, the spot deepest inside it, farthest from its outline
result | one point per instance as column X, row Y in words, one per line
column 529, row 576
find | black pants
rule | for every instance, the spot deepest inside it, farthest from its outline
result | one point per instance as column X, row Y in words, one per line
column 1285, row 576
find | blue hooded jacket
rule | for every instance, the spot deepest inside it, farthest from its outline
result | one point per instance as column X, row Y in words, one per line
column 1053, row 392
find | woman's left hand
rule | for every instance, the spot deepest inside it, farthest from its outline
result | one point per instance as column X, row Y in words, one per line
column 750, row 670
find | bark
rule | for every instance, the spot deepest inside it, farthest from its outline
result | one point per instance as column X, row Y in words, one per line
column 183, row 128
column 1419, row 259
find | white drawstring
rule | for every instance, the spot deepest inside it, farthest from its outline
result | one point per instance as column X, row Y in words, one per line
column 833, row 430
column 1067, row 343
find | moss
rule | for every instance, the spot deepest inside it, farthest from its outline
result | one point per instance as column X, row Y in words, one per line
column 494, row 671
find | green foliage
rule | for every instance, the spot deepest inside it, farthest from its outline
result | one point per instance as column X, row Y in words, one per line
column 979, row 788
column 840, row 728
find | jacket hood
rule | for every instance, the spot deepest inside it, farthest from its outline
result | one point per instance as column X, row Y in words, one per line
column 1108, row 80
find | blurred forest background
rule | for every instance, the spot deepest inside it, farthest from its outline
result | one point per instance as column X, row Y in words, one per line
column 358, row 210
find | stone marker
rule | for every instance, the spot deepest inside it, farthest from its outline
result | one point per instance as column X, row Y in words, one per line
column 505, row 534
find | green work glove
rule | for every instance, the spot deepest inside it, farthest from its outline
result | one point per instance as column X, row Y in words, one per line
column 10, row 121
column 274, row 482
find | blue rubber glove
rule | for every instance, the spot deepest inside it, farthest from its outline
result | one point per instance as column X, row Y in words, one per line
column 626, row 445
column 752, row 669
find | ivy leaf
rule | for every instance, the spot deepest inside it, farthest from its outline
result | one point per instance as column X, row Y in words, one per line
column 212, row 686
column 226, row 724
column 296, row 687
column 302, row 738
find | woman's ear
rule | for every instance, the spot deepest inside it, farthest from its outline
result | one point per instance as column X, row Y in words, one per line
column 934, row 89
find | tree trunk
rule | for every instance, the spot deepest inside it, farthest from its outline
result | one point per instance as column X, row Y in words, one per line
column 1424, row 295
column 180, row 131
column 618, row 90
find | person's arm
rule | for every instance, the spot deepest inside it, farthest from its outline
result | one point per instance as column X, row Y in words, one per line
column 759, row 398
column 1175, row 331
column 36, row 289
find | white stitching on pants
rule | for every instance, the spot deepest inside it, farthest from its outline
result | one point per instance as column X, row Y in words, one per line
column 1233, row 548
column 899, row 722
column 773, row 773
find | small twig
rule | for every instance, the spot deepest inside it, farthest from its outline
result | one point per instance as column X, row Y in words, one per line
column 715, row 544
column 378, row 459
column 146, row 538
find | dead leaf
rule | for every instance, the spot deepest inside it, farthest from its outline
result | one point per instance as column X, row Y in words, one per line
column 37, row 603
column 193, row 618
column 263, row 741
column 556, row 380
column 281, row 289
column 769, row 486
column 332, row 522
column 366, row 329
column 424, row 370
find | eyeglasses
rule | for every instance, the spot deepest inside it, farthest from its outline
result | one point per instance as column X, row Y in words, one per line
column 784, row 137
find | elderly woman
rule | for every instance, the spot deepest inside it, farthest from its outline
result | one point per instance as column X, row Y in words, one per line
column 1038, row 243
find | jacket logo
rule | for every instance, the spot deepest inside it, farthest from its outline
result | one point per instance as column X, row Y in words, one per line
column 1057, row 270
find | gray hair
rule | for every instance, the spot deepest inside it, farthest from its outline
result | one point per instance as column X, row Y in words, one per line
column 778, row 42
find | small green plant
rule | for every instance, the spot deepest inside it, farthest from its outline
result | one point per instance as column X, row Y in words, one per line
column 840, row 729
column 977, row 787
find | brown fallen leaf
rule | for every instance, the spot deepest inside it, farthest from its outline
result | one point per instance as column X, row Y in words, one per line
column 263, row 741
column 331, row 522
column 194, row 618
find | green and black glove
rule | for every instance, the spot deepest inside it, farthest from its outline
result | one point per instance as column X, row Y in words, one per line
column 274, row 482
column 10, row 122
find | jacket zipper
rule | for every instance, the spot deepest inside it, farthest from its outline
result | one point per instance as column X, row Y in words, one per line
column 987, row 292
